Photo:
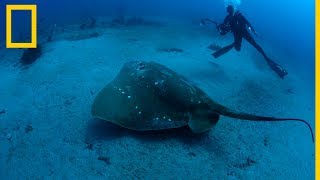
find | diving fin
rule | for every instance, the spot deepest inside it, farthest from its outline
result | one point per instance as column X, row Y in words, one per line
column 277, row 68
column 222, row 51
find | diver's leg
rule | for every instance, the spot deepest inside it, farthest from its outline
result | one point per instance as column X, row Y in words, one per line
column 237, row 41
column 273, row 65
column 250, row 39
column 222, row 51
column 236, row 44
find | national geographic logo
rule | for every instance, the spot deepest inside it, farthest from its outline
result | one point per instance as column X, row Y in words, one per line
column 9, row 9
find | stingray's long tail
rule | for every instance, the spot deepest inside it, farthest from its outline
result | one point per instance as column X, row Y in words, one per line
column 244, row 116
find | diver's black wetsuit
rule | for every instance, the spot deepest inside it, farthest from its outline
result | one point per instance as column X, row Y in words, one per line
column 238, row 24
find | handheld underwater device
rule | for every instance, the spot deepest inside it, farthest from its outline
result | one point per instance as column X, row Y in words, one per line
column 223, row 29
column 203, row 22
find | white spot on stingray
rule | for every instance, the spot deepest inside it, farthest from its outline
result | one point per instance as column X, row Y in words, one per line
column 139, row 112
column 119, row 89
column 129, row 97
column 123, row 92
column 169, row 120
column 136, row 107
column 157, row 118
column 156, row 83
column 164, row 117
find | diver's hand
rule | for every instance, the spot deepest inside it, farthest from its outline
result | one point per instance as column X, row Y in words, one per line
column 218, row 27
column 254, row 32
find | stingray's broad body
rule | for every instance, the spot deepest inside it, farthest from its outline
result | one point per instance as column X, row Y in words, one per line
column 149, row 96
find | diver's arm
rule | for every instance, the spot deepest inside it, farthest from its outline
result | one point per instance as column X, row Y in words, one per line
column 224, row 24
column 248, row 24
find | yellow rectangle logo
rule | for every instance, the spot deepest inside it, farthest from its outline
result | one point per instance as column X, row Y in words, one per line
column 33, row 9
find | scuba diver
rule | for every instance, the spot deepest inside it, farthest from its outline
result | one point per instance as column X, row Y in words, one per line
column 239, row 25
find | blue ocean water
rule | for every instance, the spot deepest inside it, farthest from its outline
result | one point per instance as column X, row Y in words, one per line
column 46, row 106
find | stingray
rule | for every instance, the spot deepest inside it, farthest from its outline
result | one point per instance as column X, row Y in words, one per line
column 149, row 96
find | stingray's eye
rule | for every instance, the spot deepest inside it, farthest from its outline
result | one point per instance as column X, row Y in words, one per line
column 140, row 66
